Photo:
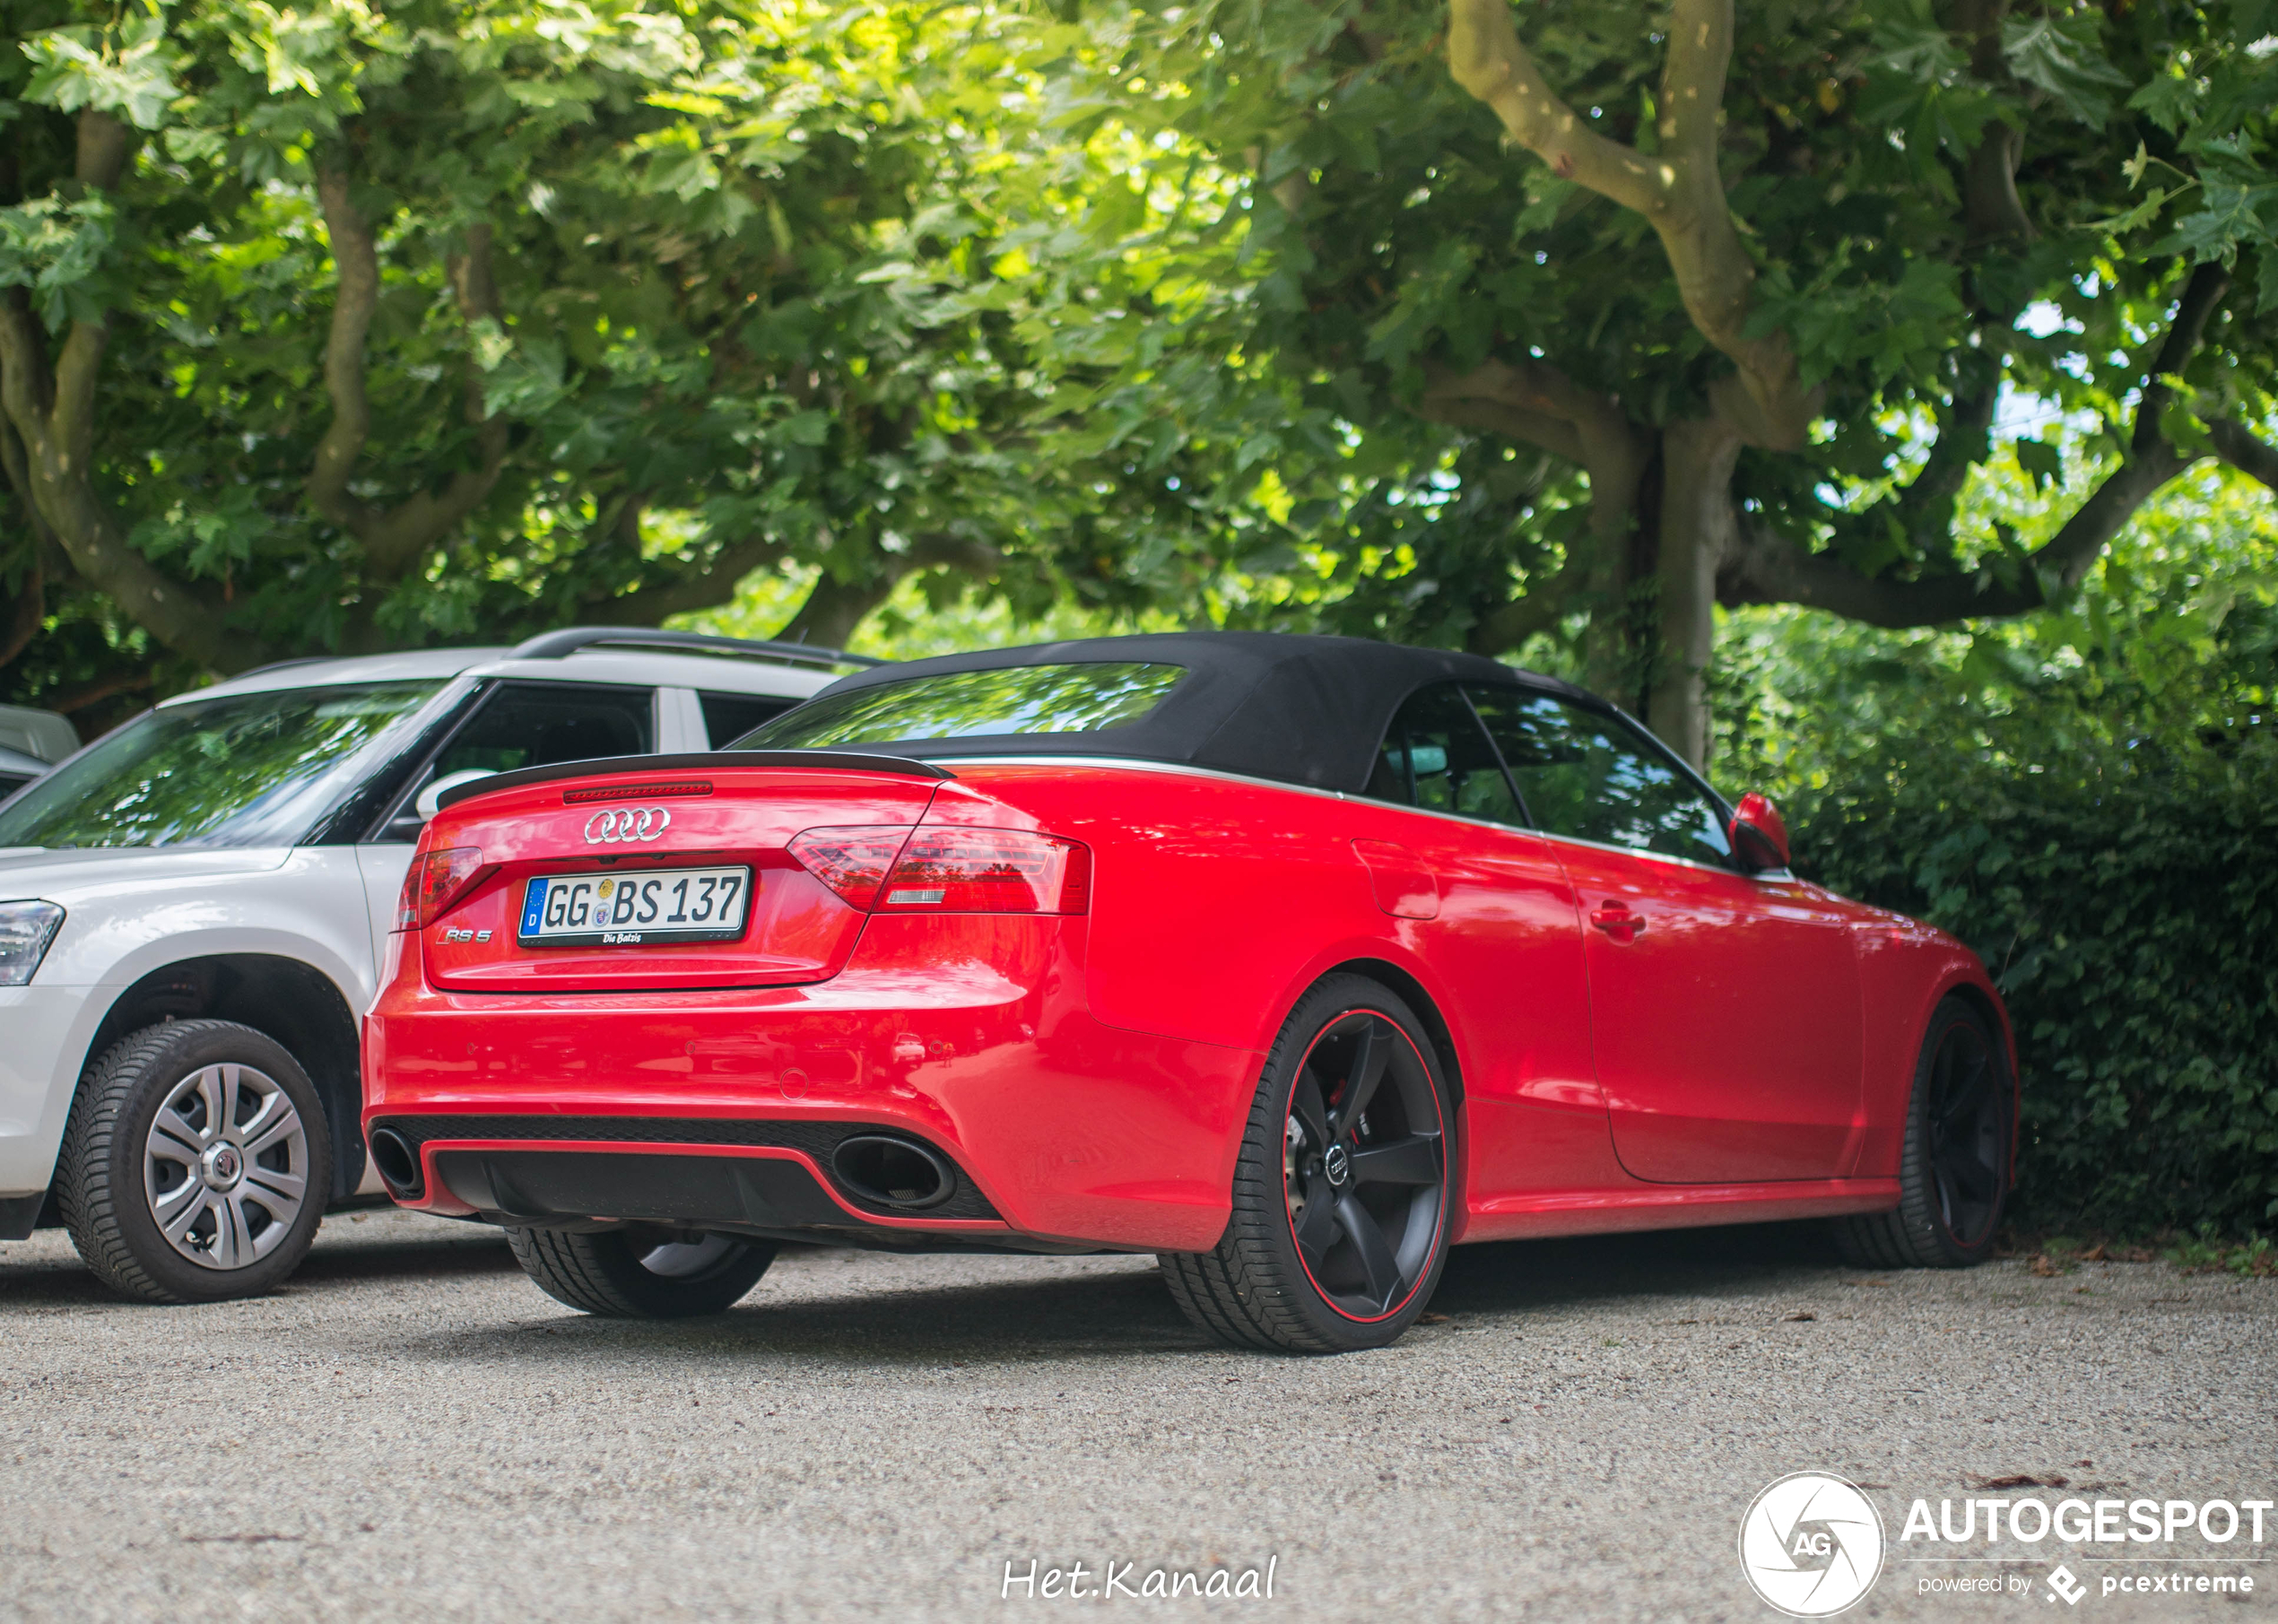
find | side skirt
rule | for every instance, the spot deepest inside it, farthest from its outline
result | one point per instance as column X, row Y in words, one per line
column 1550, row 1212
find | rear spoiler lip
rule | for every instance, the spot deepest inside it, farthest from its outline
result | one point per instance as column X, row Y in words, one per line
column 819, row 761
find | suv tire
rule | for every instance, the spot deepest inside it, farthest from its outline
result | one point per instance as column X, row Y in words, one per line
column 197, row 1163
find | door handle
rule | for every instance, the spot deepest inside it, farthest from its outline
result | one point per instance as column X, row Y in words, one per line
column 1616, row 920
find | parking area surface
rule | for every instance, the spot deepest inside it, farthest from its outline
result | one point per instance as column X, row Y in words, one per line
column 411, row 1430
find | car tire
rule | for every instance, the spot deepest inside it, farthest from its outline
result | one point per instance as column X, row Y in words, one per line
column 1341, row 1204
column 197, row 1163
column 641, row 1273
column 1953, row 1173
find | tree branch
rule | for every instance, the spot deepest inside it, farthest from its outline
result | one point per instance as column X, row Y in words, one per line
column 1693, row 80
column 1991, row 208
column 2237, row 445
column 97, row 690
column 17, row 468
column 1548, row 434
column 1770, row 569
column 25, row 614
column 1680, row 192
column 53, row 415
column 1533, row 401
column 105, row 144
column 1767, row 568
column 394, row 539
column 1487, row 60
column 705, row 586
column 2209, row 282
column 1496, row 415
column 355, row 260
column 174, row 613
column 940, row 549
column 834, row 608
column 1505, row 627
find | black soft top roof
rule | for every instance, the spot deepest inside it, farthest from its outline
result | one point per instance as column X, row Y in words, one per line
column 1272, row 705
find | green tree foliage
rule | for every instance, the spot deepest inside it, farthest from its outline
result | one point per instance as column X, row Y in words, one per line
column 349, row 326
column 2084, row 795
column 1600, row 316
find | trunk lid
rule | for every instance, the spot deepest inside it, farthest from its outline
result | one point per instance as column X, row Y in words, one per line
column 635, row 843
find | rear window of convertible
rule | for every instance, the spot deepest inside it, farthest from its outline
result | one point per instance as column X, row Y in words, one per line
column 970, row 704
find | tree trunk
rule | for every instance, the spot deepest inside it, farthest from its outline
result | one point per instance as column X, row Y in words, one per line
column 1697, row 457
column 834, row 609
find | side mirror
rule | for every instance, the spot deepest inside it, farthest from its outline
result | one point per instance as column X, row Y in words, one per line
column 1759, row 836
column 423, row 803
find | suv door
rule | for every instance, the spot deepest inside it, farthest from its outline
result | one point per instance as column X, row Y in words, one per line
column 1725, row 1009
column 515, row 724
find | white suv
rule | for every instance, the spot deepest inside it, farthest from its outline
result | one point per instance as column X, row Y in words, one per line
column 193, row 911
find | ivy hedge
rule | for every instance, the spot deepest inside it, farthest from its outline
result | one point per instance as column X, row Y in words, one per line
column 2131, row 921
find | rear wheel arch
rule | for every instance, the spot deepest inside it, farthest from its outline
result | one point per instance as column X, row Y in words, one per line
column 284, row 999
column 1353, row 1271
column 1424, row 1006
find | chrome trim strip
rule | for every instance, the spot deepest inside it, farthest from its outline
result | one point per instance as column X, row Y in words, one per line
column 1189, row 769
column 1631, row 851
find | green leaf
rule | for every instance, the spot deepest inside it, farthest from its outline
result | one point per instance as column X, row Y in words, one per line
column 2233, row 215
column 2168, row 100
column 2065, row 56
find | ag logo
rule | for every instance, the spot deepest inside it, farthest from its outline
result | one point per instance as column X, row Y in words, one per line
column 1811, row 1544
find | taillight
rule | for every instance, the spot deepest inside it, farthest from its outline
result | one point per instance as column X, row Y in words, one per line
column 853, row 862
column 989, row 870
column 950, row 871
column 435, row 881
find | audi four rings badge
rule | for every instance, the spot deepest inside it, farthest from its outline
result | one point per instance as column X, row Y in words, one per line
column 620, row 824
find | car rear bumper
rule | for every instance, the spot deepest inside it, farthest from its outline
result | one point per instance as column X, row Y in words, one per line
column 1055, row 1128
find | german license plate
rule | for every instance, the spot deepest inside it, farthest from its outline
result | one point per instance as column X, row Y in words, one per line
column 635, row 910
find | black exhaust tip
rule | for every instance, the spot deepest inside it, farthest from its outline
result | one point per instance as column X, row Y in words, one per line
column 893, row 1172
column 397, row 1161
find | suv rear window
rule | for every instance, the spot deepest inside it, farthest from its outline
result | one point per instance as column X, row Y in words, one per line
column 731, row 715
column 970, row 704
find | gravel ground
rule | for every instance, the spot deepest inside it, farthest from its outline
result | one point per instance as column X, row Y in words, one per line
column 411, row 1429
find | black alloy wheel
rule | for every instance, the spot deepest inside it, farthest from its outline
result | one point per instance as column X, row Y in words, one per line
column 1343, row 1191
column 1360, row 1174
column 1955, row 1171
column 1967, row 1133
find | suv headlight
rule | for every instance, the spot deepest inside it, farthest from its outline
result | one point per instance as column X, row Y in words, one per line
column 26, row 928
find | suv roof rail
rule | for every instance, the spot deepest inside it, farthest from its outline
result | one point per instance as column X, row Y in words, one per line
column 555, row 645
column 306, row 659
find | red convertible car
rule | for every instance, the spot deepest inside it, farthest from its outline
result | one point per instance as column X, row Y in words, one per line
column 1292, row 960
